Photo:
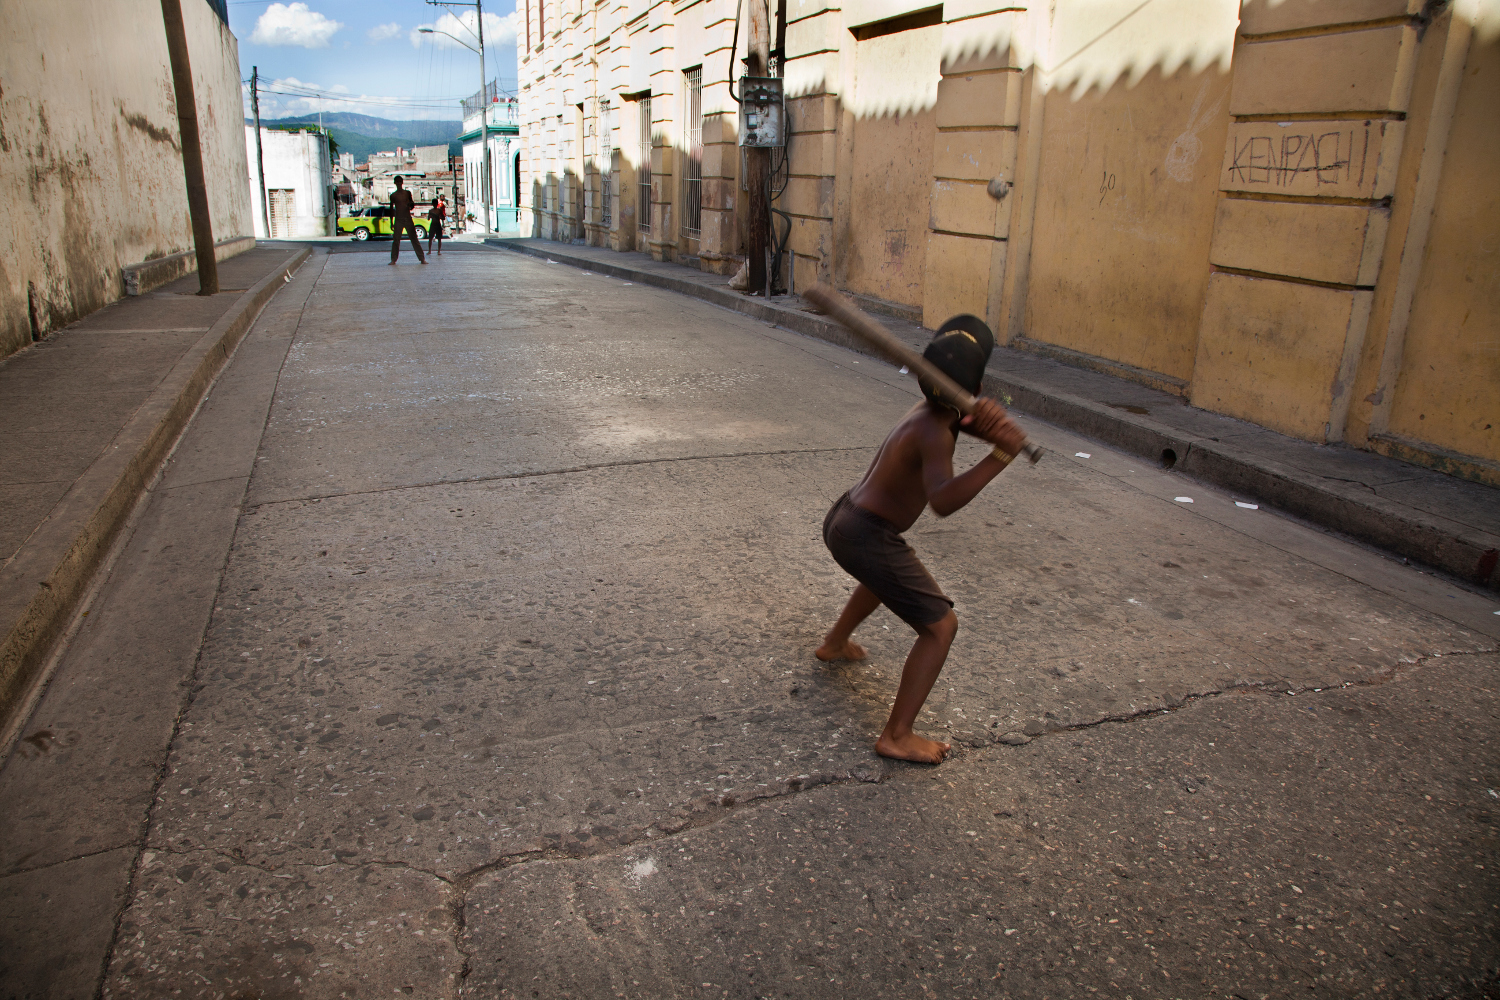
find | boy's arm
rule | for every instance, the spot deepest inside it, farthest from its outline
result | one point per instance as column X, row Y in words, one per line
column 946, row 492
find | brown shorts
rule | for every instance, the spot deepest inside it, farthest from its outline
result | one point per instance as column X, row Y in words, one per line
column 871, row 550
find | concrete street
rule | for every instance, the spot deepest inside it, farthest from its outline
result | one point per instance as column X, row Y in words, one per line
column 464, row 648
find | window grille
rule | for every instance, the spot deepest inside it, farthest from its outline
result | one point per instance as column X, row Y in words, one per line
column 692, row 173
column 606, row 163
column 643, row 175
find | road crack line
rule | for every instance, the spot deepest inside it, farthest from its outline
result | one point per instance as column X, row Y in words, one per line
column 1268, row 688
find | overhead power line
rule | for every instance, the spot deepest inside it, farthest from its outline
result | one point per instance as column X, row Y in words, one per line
column 439, row 103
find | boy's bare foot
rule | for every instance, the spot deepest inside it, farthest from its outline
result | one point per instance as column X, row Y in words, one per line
column 913, row 748
column 846, row 650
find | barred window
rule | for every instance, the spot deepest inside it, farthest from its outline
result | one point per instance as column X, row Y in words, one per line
column 692, row 173
column 643, row 176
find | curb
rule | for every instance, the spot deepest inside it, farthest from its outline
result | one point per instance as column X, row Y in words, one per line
column 1467, row 553
column 782, row 316
column 1454, row 548
column 64, row 552
column 152, row 274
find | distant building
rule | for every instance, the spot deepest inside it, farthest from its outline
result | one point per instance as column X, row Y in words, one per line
column 299, row 183
column 392, row 162
column 345, row 181
column 430, row 159
column 492, row 149
column 423, row 186
column 427, row 172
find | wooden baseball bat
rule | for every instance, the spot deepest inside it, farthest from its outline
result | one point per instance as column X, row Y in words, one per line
column 897, row 353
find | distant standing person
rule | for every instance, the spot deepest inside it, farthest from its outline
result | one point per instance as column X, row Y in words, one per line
column 435, row 218
column 402, row 204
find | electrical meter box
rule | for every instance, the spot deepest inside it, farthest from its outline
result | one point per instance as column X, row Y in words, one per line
column 762, row 113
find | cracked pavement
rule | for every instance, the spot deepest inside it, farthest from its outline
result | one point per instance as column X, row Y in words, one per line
column 464, row 648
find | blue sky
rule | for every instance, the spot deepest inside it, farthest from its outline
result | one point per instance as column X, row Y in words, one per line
column 367, row 55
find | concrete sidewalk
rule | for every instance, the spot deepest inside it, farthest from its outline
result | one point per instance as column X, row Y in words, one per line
column 1416, row 513
column 90, row 414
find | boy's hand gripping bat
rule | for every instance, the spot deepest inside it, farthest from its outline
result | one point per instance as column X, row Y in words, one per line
column 894, row 351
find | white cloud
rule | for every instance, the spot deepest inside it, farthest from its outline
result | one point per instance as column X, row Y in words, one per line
column 294, row 24
column 499, row 29
column 382, row 32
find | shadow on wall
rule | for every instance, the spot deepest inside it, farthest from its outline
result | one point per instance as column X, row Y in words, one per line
column 1118, row 185
column 1088, row 47
column 558, row 209
column 892, row 78
column 1100, row 52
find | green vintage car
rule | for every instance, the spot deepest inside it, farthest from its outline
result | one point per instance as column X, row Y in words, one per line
column 375, row 221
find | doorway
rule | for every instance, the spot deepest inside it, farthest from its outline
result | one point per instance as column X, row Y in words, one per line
column 283, row 202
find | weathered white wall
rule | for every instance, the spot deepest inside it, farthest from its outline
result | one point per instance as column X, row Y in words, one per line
column 90, row 166
column 299, row 161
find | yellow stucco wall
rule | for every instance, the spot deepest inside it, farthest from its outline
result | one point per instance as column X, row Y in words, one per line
column 1124, row 219
column 1448, row 393
column 1270, row 348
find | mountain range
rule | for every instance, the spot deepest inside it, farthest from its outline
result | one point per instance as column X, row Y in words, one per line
column 366, row 134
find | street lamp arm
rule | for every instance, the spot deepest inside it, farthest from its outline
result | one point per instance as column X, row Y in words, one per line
column 439, row 31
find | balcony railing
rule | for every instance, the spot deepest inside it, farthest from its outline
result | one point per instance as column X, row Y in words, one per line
column 492, row 97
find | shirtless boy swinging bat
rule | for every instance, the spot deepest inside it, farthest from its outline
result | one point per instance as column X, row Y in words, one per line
column 914, row 469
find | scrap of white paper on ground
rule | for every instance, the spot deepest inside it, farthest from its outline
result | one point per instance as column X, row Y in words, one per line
column 1082, row 454
column 1183, row 499
column 1247, row 506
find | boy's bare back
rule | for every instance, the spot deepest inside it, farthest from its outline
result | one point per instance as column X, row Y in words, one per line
column 914, row 466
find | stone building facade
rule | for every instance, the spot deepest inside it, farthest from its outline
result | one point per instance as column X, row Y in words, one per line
column 1275, row 209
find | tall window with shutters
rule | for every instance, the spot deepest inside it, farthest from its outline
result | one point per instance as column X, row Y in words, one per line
column 692, row 171
column 643, row 174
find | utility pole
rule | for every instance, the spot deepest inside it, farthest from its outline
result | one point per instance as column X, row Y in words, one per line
column 758, row 158
column 260, row 156
column 484, row 119
column 484, row 103
column 192, row 151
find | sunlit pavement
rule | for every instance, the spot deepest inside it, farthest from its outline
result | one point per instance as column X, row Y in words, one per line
column 478, row 660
